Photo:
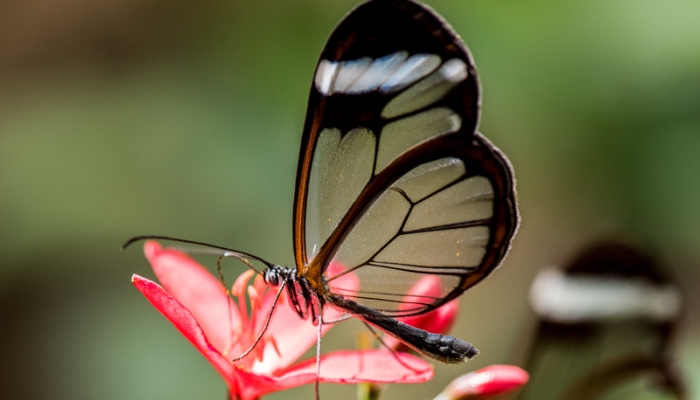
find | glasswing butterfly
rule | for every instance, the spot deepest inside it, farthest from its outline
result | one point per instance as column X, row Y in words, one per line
column 606, row 327
column 394, row 184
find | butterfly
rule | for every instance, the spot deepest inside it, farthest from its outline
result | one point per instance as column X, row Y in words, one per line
column 394, row 184
column 606, row 327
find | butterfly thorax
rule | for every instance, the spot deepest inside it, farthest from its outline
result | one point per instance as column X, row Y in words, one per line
column 302, row 296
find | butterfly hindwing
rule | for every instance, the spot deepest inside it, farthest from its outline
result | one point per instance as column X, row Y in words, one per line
column 394, row 184
column 446, row 223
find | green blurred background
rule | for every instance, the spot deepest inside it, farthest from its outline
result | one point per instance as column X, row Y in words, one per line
column 126, row 117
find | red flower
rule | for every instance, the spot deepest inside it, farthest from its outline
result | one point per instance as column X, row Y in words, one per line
column 222, row 329
column 489, row 381
column 437, row 321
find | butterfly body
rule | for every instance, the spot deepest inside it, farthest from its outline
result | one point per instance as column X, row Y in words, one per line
column 448, row 349
column 306, row 302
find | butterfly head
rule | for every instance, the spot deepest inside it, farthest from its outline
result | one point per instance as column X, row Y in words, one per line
column 276, row 274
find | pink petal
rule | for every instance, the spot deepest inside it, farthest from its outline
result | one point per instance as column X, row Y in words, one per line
column 197, row 290
column 338, row 367
column 498, row 379
column 183, row 320
column 489, row 381
column 437, row 321
column 339, row 280
column 243, row 384
column 429, row 285
column 379, row 366
column 249, row 386
column 293, row 335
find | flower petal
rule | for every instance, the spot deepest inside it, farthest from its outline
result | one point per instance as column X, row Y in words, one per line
column 243, row 384
column 437, row 321
column 183, row 320
column 378, row 366
column 493, row 380
column 197, row 290
column 293, row 336
column 250, row 386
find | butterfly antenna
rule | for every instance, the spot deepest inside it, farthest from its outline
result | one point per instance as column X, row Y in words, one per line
column 242, row 256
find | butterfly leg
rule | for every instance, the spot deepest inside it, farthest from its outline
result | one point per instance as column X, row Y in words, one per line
column 318, row 353
column 340, row 319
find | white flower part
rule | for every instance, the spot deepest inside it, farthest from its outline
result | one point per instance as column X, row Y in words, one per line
column 561, row 298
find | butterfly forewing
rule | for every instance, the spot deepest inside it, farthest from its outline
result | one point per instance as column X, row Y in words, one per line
column 394, row 185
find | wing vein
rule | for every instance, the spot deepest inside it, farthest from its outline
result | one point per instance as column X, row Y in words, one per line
column 457, row 225
column 427, row 270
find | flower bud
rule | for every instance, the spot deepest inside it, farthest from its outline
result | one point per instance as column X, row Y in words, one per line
column 489, row 381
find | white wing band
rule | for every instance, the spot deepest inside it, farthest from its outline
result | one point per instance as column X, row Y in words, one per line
column 386, row 74
column 566, row 299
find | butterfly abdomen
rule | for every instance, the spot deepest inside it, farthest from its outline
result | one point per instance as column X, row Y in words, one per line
column 447, row 349
column 454, row 350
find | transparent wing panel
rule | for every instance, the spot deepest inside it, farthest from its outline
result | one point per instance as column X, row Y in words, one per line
column 468, row 200
column 388, row 292
column 381, row 223
column 342, row 166
column 401, row 135
column 429, row 90
column 414, row 117
column 449, row 213
column 430, row 177
column 463, row 247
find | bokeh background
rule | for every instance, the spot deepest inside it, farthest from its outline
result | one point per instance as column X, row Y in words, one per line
column 126, row 117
